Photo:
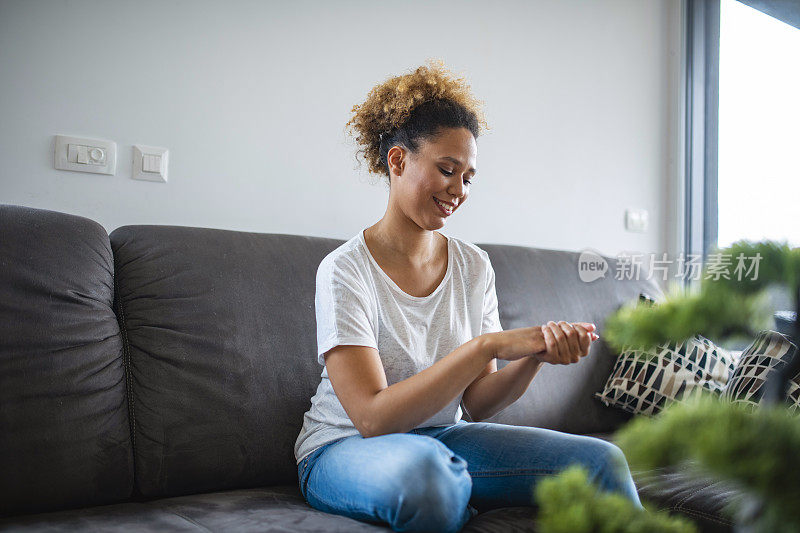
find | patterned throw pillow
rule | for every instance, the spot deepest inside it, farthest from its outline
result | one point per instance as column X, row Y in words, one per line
column 769, row 350
column 647, row 381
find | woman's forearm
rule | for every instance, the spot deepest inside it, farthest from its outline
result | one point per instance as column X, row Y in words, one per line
column 496, row 391
column 406, row 404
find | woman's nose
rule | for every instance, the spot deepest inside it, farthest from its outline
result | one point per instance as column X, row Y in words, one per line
column 457, row 189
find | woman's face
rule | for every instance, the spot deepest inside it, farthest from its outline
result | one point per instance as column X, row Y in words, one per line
column 430, row 185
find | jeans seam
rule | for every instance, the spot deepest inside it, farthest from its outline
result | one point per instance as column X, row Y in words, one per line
column 343, row 508
column 302, row 476
column 516, row 472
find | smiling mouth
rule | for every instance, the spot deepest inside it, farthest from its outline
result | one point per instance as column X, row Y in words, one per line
column 447, row 209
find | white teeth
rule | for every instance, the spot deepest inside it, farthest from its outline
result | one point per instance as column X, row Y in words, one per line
column 446, row 207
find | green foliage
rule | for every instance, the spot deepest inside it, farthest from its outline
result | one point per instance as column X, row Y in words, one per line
column 756, row 449
column 778, row 264
column 713, row 312
column 570, row 503
column 721, row 308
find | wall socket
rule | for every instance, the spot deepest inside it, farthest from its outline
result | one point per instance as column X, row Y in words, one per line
column 636, row 220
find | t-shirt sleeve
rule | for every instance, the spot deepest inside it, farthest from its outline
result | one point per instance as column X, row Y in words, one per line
column 343, row 309
column 491, row 315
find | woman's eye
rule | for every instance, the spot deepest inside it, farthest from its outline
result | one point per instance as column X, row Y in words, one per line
column 448, row 173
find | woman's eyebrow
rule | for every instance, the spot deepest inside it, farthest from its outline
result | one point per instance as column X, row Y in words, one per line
column 457, row 162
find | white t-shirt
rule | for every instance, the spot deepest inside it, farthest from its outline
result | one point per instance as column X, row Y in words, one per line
column 357, row 303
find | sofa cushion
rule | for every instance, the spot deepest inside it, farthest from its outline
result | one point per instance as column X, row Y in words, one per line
column 536, row 285
column 703, row 499
column 220, row 333
column 769, row 351
column 700, row 498
column 647, row 381
column 279, row 508
column 64, row 434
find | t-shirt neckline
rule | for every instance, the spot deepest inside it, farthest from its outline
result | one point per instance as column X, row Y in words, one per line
column 394, row 285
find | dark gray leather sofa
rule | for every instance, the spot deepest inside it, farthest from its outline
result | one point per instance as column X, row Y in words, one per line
column 155, row 380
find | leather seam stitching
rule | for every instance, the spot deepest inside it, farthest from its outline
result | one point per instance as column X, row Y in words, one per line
column 701, row 514
column 680, row 503
column 127, row 364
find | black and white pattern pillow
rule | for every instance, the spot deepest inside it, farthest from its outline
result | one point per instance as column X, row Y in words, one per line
column 647, row 381
column 769, row 351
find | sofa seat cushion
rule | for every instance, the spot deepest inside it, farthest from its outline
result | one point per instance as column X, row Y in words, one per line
column 505, row 520
column 279, row 508
column 701, row 499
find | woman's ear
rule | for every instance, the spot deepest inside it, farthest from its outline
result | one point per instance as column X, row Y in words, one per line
column 396, row 159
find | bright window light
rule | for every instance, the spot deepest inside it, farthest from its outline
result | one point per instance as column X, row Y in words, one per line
column 759, row 127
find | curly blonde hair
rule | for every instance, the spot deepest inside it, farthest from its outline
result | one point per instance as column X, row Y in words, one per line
column 412, row 107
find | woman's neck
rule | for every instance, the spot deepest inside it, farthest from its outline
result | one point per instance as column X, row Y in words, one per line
column 417, row 246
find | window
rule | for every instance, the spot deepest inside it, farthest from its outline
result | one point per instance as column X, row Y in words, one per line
column 759, row 127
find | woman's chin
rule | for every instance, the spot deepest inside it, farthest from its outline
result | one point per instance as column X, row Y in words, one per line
column 436, row 223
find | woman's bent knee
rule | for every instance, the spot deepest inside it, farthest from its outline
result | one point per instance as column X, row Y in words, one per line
column 434, row 490
column 418, row 484
column 614, row 474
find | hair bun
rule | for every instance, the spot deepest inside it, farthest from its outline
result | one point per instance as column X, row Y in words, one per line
column 389, row 105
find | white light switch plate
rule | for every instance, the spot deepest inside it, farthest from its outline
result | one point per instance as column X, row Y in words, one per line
column 85, row 155
column 150, row 163
column 636, row 220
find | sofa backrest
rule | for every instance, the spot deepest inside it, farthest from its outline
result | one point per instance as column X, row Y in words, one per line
column 214, row 339
column 536, row 285
column 220, row 333
column 64, row 435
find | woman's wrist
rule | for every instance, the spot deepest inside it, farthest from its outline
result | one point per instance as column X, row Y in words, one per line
column 488, row 345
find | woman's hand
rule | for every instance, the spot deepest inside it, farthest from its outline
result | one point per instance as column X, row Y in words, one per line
column 566, row 343
column 555, row 343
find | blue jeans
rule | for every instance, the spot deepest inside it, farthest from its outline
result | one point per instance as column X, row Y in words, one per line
column 437, row 478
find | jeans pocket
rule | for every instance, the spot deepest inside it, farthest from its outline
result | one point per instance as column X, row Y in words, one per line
column 301, row 472
column 302, row 468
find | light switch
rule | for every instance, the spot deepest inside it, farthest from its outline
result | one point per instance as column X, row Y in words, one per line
column 85, row 155
column 150, row 163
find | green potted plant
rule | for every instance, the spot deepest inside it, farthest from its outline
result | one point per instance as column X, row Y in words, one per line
column 750, row 448
column 754, row 449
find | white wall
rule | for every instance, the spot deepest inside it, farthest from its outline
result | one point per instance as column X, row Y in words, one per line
column 251, row 98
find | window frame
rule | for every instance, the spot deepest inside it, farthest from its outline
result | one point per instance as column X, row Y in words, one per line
column 700, row 143
column 701, row 136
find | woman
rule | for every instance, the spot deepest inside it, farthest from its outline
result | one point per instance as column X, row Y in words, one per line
column 408, row 331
